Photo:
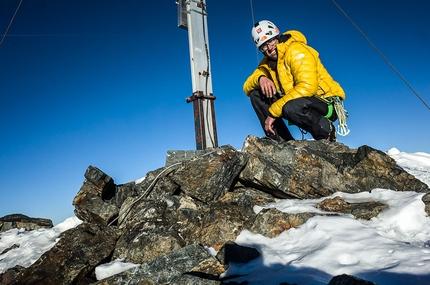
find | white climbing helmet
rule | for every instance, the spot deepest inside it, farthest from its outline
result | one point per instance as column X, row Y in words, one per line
column 263, row 31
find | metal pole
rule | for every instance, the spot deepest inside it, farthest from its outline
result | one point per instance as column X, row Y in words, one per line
column 202, row 97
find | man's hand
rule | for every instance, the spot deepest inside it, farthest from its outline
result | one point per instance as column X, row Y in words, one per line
column 268, row 125
column 267, row 86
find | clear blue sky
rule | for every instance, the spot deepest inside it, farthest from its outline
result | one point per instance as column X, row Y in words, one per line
column 104, row 82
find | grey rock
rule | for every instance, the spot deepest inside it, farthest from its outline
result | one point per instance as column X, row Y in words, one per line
column 188, row 279
column 210, row 176
column 177, row 156
column 315, row 169
column 272, row 222
column 92, row 203
column 364, row 210
column 232, row 252
column 426, row 200
column 9, row 275
column 19, row 221
column 163, row 269
column 345, row 279
column 223, row 221
column 76, row 254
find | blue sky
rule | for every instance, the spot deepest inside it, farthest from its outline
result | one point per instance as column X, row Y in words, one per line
column 104, row 83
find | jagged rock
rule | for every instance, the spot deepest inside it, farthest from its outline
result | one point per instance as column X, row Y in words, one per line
column 19, row 221
column 167, row 221
column 9, row 248
column 148, row 240
column 426, row 200
column 208, row 268
column 92, row 201
column 272, row 222
column 345, row 279
column 248, row 196
column 211, row 176
column 177, row 156
column 123, row 192
column 189, row 279
column 75, row 255
column 163, row 269
column 9, row 275
column 315, row 169
column 223, row 222
column 232, row 252
column 364, row 211
column 164, row 184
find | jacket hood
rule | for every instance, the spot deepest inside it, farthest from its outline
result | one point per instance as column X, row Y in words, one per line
column 296, row 36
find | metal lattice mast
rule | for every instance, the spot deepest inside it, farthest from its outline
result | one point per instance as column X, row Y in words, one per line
column 202, row 97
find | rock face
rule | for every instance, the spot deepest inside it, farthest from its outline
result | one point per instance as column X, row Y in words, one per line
column 18, row 221
column 165, row 222
column 315, row 169
column 72, row 258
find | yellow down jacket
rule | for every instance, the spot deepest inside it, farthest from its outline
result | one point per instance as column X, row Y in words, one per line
column 300, row 74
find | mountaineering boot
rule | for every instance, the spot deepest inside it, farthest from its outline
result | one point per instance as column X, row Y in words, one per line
column 332, row 136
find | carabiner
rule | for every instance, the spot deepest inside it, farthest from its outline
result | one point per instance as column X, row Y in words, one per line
column 342, row 130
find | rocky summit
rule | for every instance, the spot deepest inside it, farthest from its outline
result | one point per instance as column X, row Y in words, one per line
column 204, row 199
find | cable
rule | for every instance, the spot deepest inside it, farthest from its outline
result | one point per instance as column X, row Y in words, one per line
column 253, row 23
column 146, row 192
column 386, row 60
column 10, row 23
column 207, row 119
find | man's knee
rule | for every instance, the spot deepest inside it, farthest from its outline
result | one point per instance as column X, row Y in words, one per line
column 295, row 108
column 255, row 94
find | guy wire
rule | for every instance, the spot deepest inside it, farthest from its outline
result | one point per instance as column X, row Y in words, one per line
column 10, row 23
column 380, row 53
column 253, row 22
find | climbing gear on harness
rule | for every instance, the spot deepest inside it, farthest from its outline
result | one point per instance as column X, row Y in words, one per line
column 342, row 114
column 337, row 104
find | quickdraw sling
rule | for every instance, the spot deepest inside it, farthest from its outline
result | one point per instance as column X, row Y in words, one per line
column 337, row 104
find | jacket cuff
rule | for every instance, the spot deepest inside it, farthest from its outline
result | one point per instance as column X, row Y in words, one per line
column 258, row 79
column 272, row 116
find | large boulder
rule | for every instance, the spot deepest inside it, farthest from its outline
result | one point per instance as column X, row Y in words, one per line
column 92, row 203
column 210, row 176
column 162, row 270
column 19, row 221
column 315, row 169
column 77, row 253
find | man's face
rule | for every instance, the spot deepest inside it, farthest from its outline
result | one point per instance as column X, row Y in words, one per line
column 269, row 48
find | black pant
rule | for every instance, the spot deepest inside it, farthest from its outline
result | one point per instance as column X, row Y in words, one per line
column 261, row 105
column 307, row 113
